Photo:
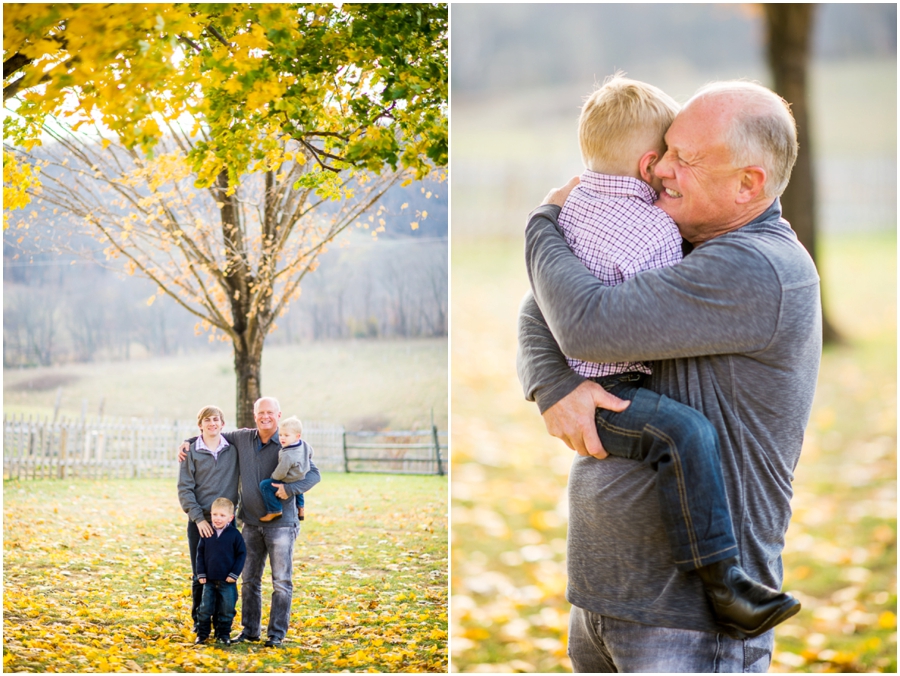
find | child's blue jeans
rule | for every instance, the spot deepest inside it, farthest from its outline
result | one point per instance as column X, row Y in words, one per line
column 273, row 504
column 682, row 446
column 217, row 608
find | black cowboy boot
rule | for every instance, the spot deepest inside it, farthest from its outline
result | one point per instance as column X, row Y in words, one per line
column 745, row 607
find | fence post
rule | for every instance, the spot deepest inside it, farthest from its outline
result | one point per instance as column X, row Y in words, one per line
column 31, row 462
column 63, row 454
column 344, row 448
column 437, row 449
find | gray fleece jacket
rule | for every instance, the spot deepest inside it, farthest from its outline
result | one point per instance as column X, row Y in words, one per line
column 293, row 462
column 733, row 331
column 202, row 478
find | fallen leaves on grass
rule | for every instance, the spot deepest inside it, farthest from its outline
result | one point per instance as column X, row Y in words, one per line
column 101, row 582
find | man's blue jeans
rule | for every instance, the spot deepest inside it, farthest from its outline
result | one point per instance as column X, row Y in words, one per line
column 276, row 545
column 682, row 446
column 217, row 608
column 599, row 644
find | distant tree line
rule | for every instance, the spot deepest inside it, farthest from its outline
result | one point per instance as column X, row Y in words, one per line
column 55, row 312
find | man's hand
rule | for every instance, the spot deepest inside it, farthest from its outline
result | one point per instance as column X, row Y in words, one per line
column 205, row 529
column 572, row 417
column 182, row 450
column 558, row 196
column 280, row 493
column 230, row 580
column 201, row 580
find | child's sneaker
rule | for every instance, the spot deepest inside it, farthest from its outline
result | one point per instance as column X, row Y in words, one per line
column 270, row 516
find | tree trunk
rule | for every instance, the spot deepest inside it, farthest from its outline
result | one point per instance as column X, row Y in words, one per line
column 789, row 27
column 247, row 371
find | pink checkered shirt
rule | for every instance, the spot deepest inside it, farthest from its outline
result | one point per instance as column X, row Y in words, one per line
column 610, row 223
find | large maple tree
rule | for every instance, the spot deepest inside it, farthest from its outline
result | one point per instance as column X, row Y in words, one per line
column 218, row 149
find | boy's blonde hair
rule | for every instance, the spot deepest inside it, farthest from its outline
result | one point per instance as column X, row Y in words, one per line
column 621, row 121
column 292, row 425
column 222, row 503
column 209, row 411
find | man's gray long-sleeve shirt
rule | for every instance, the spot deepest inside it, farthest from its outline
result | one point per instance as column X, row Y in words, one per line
column 733, row 331
column 257, row 462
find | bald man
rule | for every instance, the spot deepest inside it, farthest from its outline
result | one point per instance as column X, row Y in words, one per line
column 734, row 331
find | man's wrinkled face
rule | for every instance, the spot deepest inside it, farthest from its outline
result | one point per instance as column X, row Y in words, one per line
column 267, row 416
column 699, row 182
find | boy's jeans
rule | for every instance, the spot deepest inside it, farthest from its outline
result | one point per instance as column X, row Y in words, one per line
column 276, row 545
column 219, row 600
column 273, row 504
column 682, row 446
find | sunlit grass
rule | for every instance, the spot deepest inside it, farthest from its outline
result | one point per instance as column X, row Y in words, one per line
column 509, row 511
column 399, row 384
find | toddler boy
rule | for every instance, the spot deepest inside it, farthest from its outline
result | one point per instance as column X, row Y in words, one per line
column 220, row 560
column 610, row 223
column 293, row 464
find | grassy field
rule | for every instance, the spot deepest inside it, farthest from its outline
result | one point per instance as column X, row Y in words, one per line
column 368, row 384
column 96, row 580
column 508, row 507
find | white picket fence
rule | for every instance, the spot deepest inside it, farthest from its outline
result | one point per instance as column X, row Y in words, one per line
column 35, row 448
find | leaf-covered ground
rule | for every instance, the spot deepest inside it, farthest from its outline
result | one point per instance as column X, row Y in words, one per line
column 97, row 579
column 509, row 511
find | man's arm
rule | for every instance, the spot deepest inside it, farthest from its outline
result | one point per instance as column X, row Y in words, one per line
column 230, row 437
column 718, row 300
column 311, row 479
column 566, row 400
column 542, row 367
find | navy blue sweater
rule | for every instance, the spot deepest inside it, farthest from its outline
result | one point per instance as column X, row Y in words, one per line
column 222, row 555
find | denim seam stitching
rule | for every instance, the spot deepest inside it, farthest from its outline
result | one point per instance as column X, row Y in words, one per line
column 682, row 491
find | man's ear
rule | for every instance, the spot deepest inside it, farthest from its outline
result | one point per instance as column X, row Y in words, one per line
column 753, row 181
column 646, row 163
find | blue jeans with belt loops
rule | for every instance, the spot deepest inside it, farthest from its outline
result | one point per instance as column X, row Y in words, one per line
column 275, row 544
column 601, row 645
column 682, row 447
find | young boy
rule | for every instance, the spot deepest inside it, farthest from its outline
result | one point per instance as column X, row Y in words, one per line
column 293, row 464
column 210, row 470
column 220, row 560
column 610, row 223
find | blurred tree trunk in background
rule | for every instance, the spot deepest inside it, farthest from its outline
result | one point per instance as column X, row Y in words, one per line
column 789, row 30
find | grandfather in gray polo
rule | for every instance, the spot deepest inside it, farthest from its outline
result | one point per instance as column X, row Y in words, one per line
column 734, row 330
